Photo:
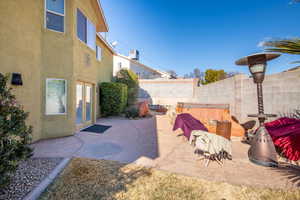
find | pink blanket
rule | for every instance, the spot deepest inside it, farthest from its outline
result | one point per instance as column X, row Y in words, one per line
column 285, row 133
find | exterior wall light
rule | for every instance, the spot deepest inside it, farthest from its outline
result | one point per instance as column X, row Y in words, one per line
column 262, row 150
column 16, row 79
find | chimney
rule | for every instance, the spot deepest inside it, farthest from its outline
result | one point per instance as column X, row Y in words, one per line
column 134, row 54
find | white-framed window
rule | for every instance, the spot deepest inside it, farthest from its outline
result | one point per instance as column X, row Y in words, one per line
column 56, row 96
column 86, row 30
column 55, row 15
column 120, row 65
column 98, row 53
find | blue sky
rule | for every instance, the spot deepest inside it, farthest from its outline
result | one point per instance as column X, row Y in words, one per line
column 182, row 35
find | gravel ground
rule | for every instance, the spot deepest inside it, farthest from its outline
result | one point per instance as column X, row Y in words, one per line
column 29, row 174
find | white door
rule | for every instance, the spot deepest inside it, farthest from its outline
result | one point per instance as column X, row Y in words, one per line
column 84, row 103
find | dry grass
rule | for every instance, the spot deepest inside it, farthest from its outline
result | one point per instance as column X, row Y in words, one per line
column 109, row 180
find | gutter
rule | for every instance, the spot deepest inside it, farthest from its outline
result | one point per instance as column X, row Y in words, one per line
column 106, row 44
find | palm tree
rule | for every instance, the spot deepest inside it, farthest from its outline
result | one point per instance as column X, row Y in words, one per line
column 295, row 1
column 289, row 46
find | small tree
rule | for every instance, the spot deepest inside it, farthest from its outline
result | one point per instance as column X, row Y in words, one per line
column 130, row 79
column 212, row 75
column 15, row 135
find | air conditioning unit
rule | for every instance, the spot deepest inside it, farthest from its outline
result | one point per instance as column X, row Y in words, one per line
column 134, row 54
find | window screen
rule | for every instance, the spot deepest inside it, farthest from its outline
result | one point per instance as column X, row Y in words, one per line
column 86, row 30
column 99, row 53
column 55, row 14
column 91, row 35
column 56, row 96
column 81, row 26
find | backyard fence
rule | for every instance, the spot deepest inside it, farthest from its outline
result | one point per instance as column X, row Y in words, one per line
column 281, row 93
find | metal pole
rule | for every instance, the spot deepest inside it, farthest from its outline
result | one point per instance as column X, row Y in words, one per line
column 260, row 100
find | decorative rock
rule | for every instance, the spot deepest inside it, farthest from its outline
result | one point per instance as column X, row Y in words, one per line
column 28, row 175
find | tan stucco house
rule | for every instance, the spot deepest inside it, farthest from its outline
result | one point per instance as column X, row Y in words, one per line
column 56, row 47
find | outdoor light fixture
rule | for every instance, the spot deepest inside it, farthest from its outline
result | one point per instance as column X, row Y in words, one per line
column 262, row 150
column 16, row 79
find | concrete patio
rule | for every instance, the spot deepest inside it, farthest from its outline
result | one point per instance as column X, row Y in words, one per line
column 151, row 142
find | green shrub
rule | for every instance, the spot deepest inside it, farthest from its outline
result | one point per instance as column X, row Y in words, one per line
column 129, row 78
column 132, row 113
column 113, row 98
column 15, row 135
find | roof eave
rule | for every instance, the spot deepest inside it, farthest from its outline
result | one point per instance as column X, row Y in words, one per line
column 103, row 16
column 107, row 44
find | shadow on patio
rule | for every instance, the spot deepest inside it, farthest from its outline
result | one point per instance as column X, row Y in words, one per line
column 126, row 141
column 94, row 179
column 290, row 172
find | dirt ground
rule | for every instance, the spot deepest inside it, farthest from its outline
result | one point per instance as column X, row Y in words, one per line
column 111, row 180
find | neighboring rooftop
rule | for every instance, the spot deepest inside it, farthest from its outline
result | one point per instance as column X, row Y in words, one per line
column 137, row 62
column 292, row 69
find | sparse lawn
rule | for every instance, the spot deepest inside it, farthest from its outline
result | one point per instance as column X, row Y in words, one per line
column 94, row 179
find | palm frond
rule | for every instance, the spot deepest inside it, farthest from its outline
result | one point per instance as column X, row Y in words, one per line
column 295, row 113
column 295, row 62
column 290, row 46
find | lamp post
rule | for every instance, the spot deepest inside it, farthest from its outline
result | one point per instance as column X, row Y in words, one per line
column 262, row 150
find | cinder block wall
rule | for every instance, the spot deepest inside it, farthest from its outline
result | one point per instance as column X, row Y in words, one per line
column 221, row 92
column 167, row 91
column 281, row 93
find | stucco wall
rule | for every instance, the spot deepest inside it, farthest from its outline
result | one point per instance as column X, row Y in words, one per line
column 105, row 71
column 105, row 66
column 87, row 68
column 281, row 94
column 125, row 64
column 57, row 62
column 221, row 92
column 168, row 91
column 29, row 48
column 20, row 51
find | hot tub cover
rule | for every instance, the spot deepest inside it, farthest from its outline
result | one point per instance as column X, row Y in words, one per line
column 188, row 123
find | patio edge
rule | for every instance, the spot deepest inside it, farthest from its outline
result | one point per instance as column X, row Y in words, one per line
column 40, row 188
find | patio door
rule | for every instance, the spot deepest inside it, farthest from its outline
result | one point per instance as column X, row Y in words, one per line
column 84, row 104
column 88, row 103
